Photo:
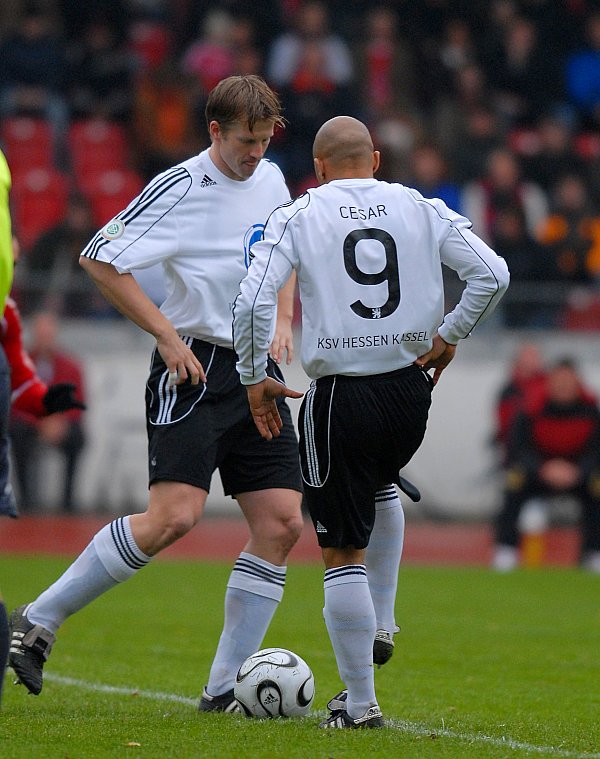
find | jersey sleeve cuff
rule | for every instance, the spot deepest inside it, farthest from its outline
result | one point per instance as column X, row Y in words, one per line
column 253, row 379
column 447, row 335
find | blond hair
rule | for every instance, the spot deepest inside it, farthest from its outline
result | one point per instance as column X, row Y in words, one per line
column 243, row 99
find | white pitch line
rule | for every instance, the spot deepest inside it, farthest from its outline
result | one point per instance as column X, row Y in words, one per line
column 412, row 728
column 120, row 691
column 416, row 729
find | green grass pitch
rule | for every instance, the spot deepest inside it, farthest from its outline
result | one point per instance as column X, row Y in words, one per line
column 487, row 665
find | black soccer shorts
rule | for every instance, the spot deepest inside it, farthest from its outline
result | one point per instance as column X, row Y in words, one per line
column 195, row 429
column 356, row 433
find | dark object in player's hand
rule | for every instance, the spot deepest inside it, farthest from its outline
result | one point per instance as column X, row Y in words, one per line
column 61, row 397
column 409, row 489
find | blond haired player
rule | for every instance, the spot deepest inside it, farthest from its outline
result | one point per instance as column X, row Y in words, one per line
column 198, row 220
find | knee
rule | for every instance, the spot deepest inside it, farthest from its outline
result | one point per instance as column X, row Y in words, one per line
column 160, row 529
column 178, row 524
column 285, row 531
column 173, row 510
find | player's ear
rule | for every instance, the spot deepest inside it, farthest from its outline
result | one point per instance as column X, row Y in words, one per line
column 376, row 161
column 214, row 130
column 319, row 170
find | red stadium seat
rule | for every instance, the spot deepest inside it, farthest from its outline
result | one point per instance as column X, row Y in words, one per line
column 96, row 146
column 39, row 202
column 111, row 191
column 27, row 143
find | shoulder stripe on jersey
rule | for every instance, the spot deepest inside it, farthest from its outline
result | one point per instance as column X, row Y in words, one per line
column 290, row 202
column 444, row 218
column 151, row 194
column 148, row 197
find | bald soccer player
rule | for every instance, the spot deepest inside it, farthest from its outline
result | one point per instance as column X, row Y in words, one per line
column 368, row 257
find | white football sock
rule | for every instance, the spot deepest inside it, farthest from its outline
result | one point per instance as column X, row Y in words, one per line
column 350, row 619
column 383, row 556
column 254, row 591
column 111, row 557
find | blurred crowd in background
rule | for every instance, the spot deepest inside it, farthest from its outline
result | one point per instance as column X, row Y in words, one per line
column 493, row 106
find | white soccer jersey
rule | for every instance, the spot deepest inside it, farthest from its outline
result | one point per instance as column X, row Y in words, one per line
column 200, row 225
column 368, row 256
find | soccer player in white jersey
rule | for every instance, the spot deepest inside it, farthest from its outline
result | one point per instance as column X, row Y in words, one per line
column 368, row 258
column 198, row 220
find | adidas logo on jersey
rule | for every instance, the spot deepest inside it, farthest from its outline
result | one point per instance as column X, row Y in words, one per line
column 207, row 181
column 320, row 527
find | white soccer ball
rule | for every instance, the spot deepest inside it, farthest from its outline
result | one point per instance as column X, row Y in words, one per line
column 275, row 682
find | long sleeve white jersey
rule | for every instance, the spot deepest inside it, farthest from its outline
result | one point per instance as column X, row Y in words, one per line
column 368, row 256
column 200, row 226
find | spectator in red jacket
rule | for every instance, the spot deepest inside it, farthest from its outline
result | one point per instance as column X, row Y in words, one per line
column 524, row 387
column 553, row 448
column 44, row 381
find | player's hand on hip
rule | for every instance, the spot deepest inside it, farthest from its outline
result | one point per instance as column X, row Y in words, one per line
column 438, row 358
column 180, row 360
column 283, row 341
column 263, row 406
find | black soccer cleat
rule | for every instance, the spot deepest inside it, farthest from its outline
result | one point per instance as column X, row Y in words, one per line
column 339, row 718
column 338, row 701
column 226, row 702
column 30, row 646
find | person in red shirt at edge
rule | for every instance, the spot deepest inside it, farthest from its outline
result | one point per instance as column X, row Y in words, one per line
column 553, row 448
column 525, row 385
column 30, row 396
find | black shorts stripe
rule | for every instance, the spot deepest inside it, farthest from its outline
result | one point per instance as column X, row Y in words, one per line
column 168, row 395
column 309, row 432
column 314, row 474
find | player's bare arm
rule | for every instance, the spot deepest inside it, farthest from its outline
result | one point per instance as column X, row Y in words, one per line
column 283, row 341
column 438, row 358
column 127, row 297
column 263, row 407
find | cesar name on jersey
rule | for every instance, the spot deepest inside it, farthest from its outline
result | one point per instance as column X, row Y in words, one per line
column 372, row 212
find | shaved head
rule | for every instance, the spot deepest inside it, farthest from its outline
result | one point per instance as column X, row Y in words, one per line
column 341, row 139
column 343, row 148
